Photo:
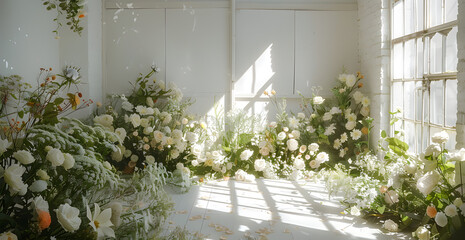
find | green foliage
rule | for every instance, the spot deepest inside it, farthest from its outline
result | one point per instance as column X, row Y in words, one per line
column 71, row 10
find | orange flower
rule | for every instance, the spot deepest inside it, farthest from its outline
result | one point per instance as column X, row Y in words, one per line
column 30, row 104
column 201, row 180
column 81, row 16
column 431, row 211
column 265, row 92
column 44, row 219
column 360, row 85
column 54, row 77
column 273, row 92
column 365, row 130
column 50, row 69
column 383, row 189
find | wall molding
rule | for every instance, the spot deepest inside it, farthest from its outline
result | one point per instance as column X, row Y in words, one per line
column 147, row 4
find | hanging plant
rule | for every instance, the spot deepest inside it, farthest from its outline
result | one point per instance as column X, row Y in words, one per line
column 73, row 10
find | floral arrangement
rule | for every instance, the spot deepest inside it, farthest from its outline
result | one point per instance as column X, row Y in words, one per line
column 73, row 10
column 54, row 180
column 340, row 125
column 406, row 191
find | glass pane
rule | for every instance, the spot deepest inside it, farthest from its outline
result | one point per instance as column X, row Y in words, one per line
column 451, row 51
column 437, row 101
column 451, row 10
column 410, row 135
column 409, row 18
column 435, row 12
column 420, row 13
column 452, row 140
column 397, row 96
column 425, row 138
column 436, row 54
column 420, row 58
column 418, row 137
column 398, row 127
column 398, row 19
column 451, row 102
column 409, row 60
column 409, row 98
column 426, row 106
column 398, row 61
column 426, row 55
column 418, row 100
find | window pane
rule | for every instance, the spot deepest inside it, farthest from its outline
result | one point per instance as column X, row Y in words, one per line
column 409, row 98
column 451, row 10
column 425, row 138
column 418, row 100
column 398, row 20
column 420, row 13
column 426, row 108
column 451, row 51
column 418, row 137
column 451, row 102
column 437, row 101
column 397, row 126
column 409, row 60
column 426, row 55
column 409, row 18
column 410, row 135
column 435, row 12
column 436, row 54
column 397, row 96
column 398, row 61
column 419, row 58
column 452, row 140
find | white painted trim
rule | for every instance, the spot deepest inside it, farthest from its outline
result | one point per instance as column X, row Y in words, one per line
column 147, row 4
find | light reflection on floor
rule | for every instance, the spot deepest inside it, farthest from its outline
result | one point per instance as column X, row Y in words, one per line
column 267, row 209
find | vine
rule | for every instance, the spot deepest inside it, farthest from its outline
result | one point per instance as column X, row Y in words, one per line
column 72, row 9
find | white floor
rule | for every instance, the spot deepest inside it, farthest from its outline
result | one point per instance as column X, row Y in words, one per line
column 267, row 209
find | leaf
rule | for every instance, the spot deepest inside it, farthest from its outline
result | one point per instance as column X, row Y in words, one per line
column 398, row 143
column 383, row 134
column 381, row 209
column 21, row 114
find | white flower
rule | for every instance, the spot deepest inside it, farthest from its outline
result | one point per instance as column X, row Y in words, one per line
column 246, row 154
column 273, row 125
column 313, row 147
column 149, row 111
column 149, row 102
column 428, row 182
column 150, row 159
column 197, row 150
column 293, row 122
column 317, row 100
column 292, row 144
column 195, row 163
column 458, row 155
column 314, row 164
column 458, row 202
column 366, row 101
column 440, row 137
column 13, row 177
column 127, row 106
column 134, row 119
column 106, row 165
column 342, row 152
column 299, row 163
column 8, row 236
column 450, row 210
column 433, row 149
column 310, row 129
column 391, row 197
column 158, row 136
column 335, row 110
column 356, row 134
column 354, row 211
column 327, row 116
column 24, row 157
column 344, row 137
column 422, row 233
column 68, row 217
column 342, row 77
column 441, row 219
column 358, row 96
column 330, row 130
column 303, row 148
column 265, row 151
column 295, row 134
column 104, row 120
column 337, row 144
column 259, row 165
column 100, row 221
column 55, row 156
column 365, row 111
column 350, row 80
column 68, row 161
column 167, row 119
column 4, row 145
column 72, row 73
column 121, row 133
column 42, row 174
column 118, row 154
column 391, row 225
column 410, row 168
column 192, row 137
column 322, row 157
column 350, row 125
column 240, row 175
column 176, row 134
column 281, row 136
column 134, row 158
column 301, row 115
column 116, row 210
column 38, row 186
column 148, row 130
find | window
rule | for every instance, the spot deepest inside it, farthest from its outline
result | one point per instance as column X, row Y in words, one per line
column 424, row 69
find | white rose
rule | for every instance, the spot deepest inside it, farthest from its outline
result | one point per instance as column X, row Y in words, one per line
column 313, row 147
column 24, row 157
column 281, row 136
column 310, row 129
column 55, row 156
column 42, row 174
column 458, row 155
column 440, row 137
column 317, row 100
column 121, row 133
column 410, row 168
column 265, row 151
column 350, row 80
column 292, row 144
column 240, row 175
column 322, row 157
column 299, row 163
column 365, row 111
column 104, row 120
column 301, row 115
column 134, row 158
column 422, row 233
column 4, row 145
column 134, row 119
column 197, row 150
column 296, row 134
column 428, row 182
column 13, row 177
column 433, row 149
column 118, row 154
column 149, row 102
column 68, row 162
column 8, row 236
column 327, row 116
column 303, row 148
column 176, row 134
column 68, row 217
column 150, row 159
column 458, row 202
column 350, row 125
column 195, row 163
column 354, row 211
column 358, row 97
column 192, row 137
column 144, row 122
column 314, row 164
column 158, row 136
column 246, row 154
column 391, row 197
column 450, row 210
column 441, row 219
column 391, row 225
column 38, row 186
column 259, row 165
column 127, row 106
column 148, row 130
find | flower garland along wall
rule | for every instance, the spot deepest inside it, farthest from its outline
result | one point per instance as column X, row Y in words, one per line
column 55, row 180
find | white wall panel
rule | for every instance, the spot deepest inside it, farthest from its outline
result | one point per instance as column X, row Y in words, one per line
column 197, row 54
column 264, row 52
column 134, row 40
column 326, row 41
